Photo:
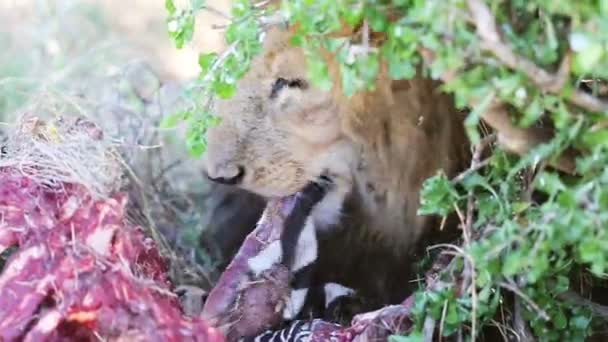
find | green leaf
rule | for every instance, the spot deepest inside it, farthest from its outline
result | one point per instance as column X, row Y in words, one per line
column 520, row 207
column 317, row 71
column 560, row 320
column 437, row 196
column 588, row 52
column 335, row 44
column 224, row 90
column 412, row 337
column 170, row 6
column 231, row 34
column 513, row 263
column 472, row 119
column 562, row 284
column 240, row 8
column 604, row 7
column 587, row 60
column 296, row 40
column 400, row 70
column 595, row 138
column 171, row 121
column 196, row 145
column 197, row 5
column 354, row 15
column 532, row 112
column 451, row 316
column 377, row 20
column 205, row 61
column 590, row 251
column 580, row 322
column 550, row 183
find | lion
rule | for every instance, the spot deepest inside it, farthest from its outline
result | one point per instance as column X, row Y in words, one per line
column 280, row 132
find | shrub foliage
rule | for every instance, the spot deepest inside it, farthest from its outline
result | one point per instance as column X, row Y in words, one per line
column 534, row 205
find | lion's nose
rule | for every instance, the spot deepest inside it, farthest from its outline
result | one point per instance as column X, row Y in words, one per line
column 230, row 180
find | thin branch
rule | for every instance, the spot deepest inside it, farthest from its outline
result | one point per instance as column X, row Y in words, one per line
column 365, row 35
column 471, row 170
column 276, row 18
column 219, row 26
column 443, row 314
column 519, row 324
column 513, row 288
column 476, row 164
column 218, row 63
column 428, row 329
column 217, row 12
column 467, row 229
column 261, row 4
column 521, row 140
column 266, row 21
column 488, row 32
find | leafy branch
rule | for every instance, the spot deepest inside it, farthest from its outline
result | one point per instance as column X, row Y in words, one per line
column 486, row 29
column 532, row 211
column 219, row 72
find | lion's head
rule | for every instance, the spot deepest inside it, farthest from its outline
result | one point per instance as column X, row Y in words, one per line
column 279, row 131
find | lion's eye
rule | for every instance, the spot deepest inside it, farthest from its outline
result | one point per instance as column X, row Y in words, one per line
column 281, row 82
column 297, row 83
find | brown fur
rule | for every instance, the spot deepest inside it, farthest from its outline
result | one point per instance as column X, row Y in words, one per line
column 379, row 146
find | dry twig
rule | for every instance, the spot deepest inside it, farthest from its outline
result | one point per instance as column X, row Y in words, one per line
column 429, row 329
column 513, row 288
column 520, row 326
column 521, row 140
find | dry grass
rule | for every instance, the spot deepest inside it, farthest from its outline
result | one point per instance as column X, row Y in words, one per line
column 112, row 62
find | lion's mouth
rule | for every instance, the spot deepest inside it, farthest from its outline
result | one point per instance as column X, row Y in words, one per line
column 236, row 180
column 323, row 181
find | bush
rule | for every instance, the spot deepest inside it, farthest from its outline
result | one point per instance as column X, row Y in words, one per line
column 534, row 211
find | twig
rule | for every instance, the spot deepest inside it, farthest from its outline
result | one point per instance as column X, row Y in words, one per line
column 166, row 169
column 211, row 73
column 527, row 299
column 265, row 21
column 520, row 326
column 357, row 50
column 521, row 140
column 220, row 60
column 502, row 329
column 261, row 4
column 276, row 18
column 428, row 329
column 466, row 232
column 219, row 26
column 216, row 12
column 365, row 35
column 443, row 313
column 470, row 170
column 488, row 32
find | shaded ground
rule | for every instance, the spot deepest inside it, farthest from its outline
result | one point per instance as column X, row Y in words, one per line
column 37, row 30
